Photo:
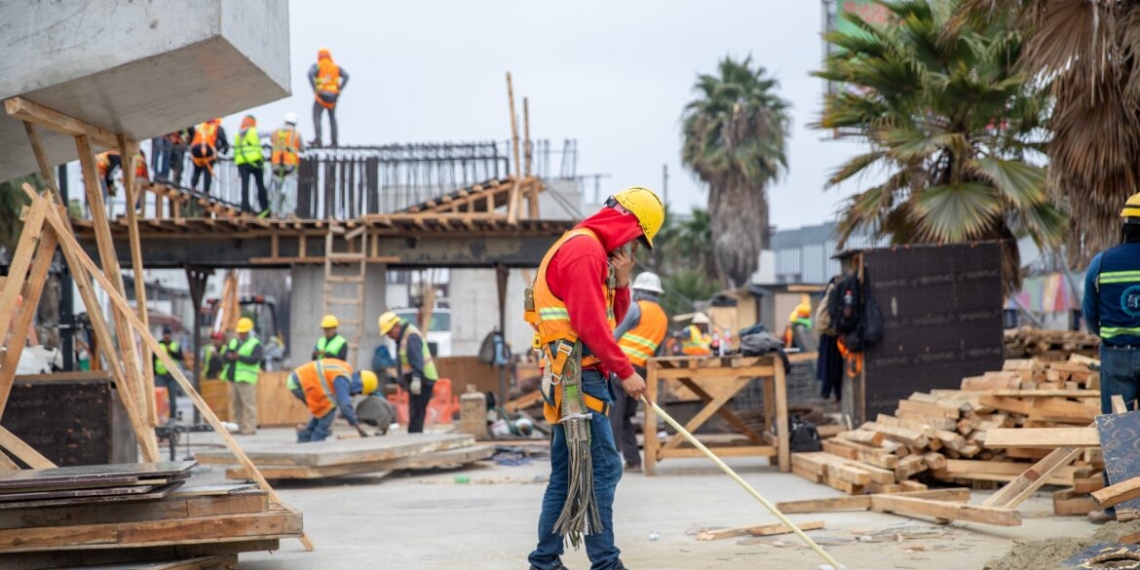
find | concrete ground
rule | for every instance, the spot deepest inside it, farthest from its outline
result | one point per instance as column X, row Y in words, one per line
column 428, row 520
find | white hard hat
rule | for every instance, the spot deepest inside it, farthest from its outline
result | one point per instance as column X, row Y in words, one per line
column 700, row 319
column 648, row 281
column 291, row 118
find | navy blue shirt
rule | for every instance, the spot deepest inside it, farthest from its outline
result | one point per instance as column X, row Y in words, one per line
column 1111, row 304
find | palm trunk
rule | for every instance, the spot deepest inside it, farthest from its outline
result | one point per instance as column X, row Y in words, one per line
column 738, row 213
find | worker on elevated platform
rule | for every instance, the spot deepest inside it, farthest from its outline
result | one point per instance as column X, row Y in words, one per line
column 284, row 161
column 1111, row 309
column 250, row 163
column 326, row 386
column 580, row 292
column 206, row 141
column 332, row 344
column 328, row 80
column 640, row 336
column 415, row 371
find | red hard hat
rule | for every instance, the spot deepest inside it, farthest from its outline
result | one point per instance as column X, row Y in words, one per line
column 218, row 335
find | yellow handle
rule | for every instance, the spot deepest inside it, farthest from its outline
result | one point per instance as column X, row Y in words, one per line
column 728, row 470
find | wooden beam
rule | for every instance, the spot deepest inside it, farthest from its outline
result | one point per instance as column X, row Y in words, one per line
column 127, row 151
column 33, row 289
column 863, row 502
column 1042, row 437
column 23, row 451
column 513, row 204
column 938, row 510
column 18, row 270
column 760, row 530
column 1118, row 493
column 120, row 305
column 41, row 156
column 25, row 110
column 1032, row 479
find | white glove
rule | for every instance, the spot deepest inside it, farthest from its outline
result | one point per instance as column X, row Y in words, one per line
column 416, row 386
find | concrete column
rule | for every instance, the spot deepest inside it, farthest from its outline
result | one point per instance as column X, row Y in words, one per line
column 307, row 306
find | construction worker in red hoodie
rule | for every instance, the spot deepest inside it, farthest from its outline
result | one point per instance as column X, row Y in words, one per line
column 579, row 294
column 640, row 335
column 327, row 80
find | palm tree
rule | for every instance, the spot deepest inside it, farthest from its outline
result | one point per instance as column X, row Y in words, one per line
column 1088, row 49
column 735, row 138
column 12, row 201
column 951, row 121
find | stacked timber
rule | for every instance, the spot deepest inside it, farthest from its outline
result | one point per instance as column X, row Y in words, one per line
column 982, row 435
column 1029, row 342
column 340, row 457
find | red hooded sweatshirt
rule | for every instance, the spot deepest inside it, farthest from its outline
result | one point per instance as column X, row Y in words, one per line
column 575, row 274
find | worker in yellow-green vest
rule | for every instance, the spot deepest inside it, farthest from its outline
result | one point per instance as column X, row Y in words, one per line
column 416, row 371
column 244, row 357
column 162, row 375
column 251, row 162
column 212, row 357
column 331, row 345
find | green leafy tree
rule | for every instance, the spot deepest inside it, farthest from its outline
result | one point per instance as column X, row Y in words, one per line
column 951, row 120
column 735, row 140
column 12, row 202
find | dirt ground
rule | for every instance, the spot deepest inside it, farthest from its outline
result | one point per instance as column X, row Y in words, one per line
column 429, row 520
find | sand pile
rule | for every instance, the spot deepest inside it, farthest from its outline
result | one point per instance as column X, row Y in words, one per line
column 1048, row 554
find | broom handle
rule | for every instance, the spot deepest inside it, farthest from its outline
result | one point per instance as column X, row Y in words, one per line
column 728, row 471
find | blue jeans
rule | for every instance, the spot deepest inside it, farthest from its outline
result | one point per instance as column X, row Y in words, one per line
column 318, row 429
column 1119, row 376
column 607, row 472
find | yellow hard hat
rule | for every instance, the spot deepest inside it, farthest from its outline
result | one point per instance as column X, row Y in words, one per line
column 646, row 206
column 330, row 322
column 388, row 321
column 369, row 380
column 1131, row 207
column 803, row 311
column 245, row 324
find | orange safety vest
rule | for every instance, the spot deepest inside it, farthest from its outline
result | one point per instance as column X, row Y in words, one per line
column 640, row 343
column 103, row 161
column 554, row 334
column 328, row 81
column 286, row 148
column 317, row 381
column 695, row 342
column 206, row 136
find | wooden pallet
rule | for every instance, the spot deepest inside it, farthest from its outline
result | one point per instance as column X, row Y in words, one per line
column 438, row 459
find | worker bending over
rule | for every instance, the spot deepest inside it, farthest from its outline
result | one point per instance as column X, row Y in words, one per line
column 580, row 291
column 639, row 335
column 332, row 344
column 327, row 79
column 329, row 385
column 415, row 371
column 1111, row 308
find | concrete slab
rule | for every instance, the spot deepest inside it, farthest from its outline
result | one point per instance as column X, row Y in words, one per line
column 140, row 68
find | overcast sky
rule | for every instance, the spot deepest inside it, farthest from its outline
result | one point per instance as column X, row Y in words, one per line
column 613, row 75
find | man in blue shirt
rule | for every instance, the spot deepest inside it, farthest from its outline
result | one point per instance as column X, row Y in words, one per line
column 1111, row 308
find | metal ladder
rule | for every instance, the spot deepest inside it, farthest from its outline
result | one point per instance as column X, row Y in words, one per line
column 345, row 269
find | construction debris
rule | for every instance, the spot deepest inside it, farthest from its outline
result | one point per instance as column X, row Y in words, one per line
column 1050, row 345
column 760, row 530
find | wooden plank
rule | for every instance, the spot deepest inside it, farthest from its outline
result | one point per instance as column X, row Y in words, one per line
column 1047, row 393
column 18, row 269
column 864, row 437
column 928, row 508
column 1031, row 479
column 1118, row 493
column 449, row 458
column 759, row 530
column 1045, row 409
column 1042, row 437
column 1001, row 471
column 23, row 451
column 1067, row 502
column 127, row 151
column 340, row 452
column 28, row 111
column 863, row 502
column 928, row 409
column 734, row 451
column 33, row 288
column 177, row 505
column 906, row 436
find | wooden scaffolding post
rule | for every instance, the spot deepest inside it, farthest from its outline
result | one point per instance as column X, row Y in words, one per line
column 41, row 157
column 532, row 186
column 18, row 270
column 122, row 309
column 33, row 288
column 127, row 151
column 513, row 202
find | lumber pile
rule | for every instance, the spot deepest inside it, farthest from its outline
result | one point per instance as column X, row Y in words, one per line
column 212, row 522
column 100, row 484
column 1030, row 342
column 985, row 434
column 340, row 457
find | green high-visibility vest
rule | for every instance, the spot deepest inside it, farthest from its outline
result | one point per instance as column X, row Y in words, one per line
column 247, row 149
column 159, row 365
column 245, row 372
column 330, row 347
column 429, row 365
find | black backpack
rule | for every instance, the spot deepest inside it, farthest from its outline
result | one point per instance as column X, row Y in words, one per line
column 843, row 305
column 805, row 436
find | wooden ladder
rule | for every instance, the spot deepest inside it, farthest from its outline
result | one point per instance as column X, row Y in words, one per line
column 345, row 269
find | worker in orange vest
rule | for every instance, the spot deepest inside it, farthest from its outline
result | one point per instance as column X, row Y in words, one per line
column 695, row 341
column 327, row 79
column 286, row 157
column 799, row 323
column 327, row 385
column 640, row 336
column 206, row 141
column 107, row 161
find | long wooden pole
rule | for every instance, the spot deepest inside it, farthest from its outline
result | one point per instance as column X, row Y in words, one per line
column 513, row 202
column 127, row 151
column 123, row 309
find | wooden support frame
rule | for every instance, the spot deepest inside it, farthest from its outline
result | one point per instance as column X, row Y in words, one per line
column 28, row 111
column 127, row 151
column 513, row 204
column 701, row 374
column 33, row 288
